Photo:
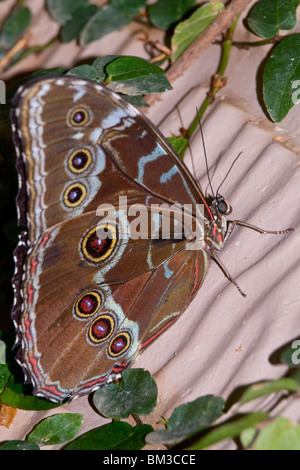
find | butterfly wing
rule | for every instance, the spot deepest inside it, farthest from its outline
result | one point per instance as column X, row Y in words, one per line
column 86, row 304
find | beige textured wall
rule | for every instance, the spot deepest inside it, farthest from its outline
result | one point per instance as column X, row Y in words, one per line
column 222, row 341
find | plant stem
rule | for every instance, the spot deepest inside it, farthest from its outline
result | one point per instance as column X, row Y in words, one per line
column 19, row 55
column 263, row 42
column 218, row 80
column 19, row 46
column 137, row 419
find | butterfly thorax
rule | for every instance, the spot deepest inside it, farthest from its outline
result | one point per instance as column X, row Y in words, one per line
column 216, row 227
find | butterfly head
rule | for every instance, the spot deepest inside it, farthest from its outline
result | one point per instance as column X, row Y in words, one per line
column 220, row 206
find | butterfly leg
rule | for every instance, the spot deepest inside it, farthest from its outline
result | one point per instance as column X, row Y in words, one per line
column 217, row 260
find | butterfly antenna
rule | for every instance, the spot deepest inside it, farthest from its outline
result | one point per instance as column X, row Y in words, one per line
column 193, row 161
column 205, row 154
column 230, row 168
column 188, row 144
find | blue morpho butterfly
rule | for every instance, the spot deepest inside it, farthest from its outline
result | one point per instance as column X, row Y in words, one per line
column 87, row 304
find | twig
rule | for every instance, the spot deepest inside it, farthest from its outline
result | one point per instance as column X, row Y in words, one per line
column 217, row 27
column 263, row 42
column 21, row 44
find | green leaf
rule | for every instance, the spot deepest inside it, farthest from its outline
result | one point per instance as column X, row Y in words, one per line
column 135, row 394
column 281, row 78
column 85, row 71
column 189, row 419
column 100, row 65
column 228, row 430
column 142, row 85
column 187, row 31
column 19, row 445
column 72, row 28
column 8, row 337
column 2, row 351
column 14, row 27
column 117, row 435
column 56, row 429
column 267, row 17
column 136, row 76
column 137, row 100
column 114, row 16
column 164, row 13
column 291, row 356
column 15, row 398
column 136, row 439
column 204, row 410
column 62, row 11
column 296, row 375
column 103, row 22
column 179, row 144
column 129, row 7
column 281, row 434
column 266, row 388
column 125, row 68
column 46, row 72
column 4, row 376
column 247, row 437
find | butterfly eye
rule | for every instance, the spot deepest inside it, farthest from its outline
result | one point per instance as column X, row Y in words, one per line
column 79, row 160
column 87, row 304
column 79, row 117
column 101, row 328
column 119, row 344
column 99, row 242
column 223, row 206
column 74, row 195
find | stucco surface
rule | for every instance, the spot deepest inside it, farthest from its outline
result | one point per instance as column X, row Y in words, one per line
column 223, row 341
